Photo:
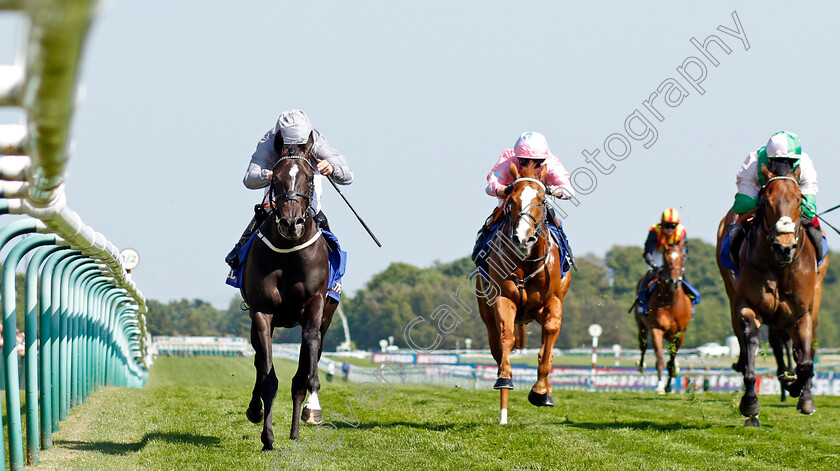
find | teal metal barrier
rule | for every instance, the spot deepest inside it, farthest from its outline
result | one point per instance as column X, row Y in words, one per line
column 81, row 332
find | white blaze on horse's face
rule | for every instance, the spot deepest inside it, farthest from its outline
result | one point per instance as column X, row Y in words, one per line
column 525, row 229
column 293, row 173
column 785, row 225
column 674, row 256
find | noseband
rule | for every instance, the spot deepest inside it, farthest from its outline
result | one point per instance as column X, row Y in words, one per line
column 765, row 226
column 276, row 199
column 539, row 225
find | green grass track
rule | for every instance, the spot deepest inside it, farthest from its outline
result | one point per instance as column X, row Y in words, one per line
column 190, row 416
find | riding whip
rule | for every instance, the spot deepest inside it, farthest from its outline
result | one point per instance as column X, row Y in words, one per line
column 354, row 212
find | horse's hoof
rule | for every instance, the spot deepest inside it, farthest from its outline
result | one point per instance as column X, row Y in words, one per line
column 641, row 368
column 805, row 405
column 540, row 400
column 749, row 407
column 268, row 447
column 254, row 417
column 311, row 417
column 752, row 422
column 503, row 383
column 668, row 388
column 660, row 391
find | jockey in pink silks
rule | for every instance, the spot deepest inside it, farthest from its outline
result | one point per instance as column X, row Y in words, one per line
column 530, row 148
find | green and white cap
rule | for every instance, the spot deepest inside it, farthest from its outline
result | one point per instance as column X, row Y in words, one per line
column 784, row 145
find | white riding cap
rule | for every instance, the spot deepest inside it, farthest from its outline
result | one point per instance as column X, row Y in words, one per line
column 784, row 145
column 293, row 126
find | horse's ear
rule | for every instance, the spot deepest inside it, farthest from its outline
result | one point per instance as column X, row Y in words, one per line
column 278, row 143
column 766, row 173
column 797, row 172
column 514, row 172
column 309, row 142
column 543, row 172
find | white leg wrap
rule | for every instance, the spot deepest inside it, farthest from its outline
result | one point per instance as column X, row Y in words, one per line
column 312, row 402
column 503, row 417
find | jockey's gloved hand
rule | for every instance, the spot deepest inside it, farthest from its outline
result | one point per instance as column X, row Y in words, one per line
column 508, row 189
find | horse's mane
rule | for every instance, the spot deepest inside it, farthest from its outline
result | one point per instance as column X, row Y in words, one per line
column 530, row 171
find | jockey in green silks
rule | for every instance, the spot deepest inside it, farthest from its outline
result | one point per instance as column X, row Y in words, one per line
column 782, row 148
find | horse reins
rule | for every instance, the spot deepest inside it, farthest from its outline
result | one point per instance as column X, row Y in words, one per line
column 289, row 196
column 538, row 228
column 766, row 226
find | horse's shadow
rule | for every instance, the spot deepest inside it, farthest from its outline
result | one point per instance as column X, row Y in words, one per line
column 117, row 448
column 420, row 426
column 637, row 425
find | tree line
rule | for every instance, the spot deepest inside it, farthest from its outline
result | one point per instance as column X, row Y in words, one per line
column 601, row 292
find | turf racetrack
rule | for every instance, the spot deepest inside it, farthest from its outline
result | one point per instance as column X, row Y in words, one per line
column 191, row 415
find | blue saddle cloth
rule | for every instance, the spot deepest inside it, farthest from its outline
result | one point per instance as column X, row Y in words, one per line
column 556, row 234
column 644, row 296
column 337, row 260
column 727, row 262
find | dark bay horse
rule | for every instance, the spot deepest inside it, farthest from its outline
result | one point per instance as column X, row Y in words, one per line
column 285, row 285
column 779, row 285
column 525, row 268
column 668, row 315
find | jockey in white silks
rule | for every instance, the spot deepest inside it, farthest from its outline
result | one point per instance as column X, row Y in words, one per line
column 294, row 127
column 783, row 148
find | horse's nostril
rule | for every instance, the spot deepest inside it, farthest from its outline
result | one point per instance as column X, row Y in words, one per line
column 284, row 223
column 532, row 240
column 299, row 222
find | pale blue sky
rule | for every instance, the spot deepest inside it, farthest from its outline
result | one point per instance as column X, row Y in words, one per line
column 421, row 98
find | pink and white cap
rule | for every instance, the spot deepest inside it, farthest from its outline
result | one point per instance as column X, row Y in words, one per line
column 531, row 145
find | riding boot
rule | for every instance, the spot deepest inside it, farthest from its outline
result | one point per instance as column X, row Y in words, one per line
column 484, row 232
column 570, row 257
column 736, row 237
column 260, row 214
column 322, row 222
column 815, row 234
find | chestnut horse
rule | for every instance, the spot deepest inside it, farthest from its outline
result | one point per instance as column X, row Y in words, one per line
column 780, row 285
column 285, row 285
column 668, row 314
column 524, row 269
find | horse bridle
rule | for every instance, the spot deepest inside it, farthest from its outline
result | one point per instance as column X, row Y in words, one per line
column 762, row 203
column 275, row 198
column 674, row 247
column 539, row 225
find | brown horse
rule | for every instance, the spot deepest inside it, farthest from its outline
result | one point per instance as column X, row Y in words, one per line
column 779, row 285
column 285, row 284
column 524, row 268
column 668, row 314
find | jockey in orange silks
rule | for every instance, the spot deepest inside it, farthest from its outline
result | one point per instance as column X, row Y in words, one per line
column 667, row 232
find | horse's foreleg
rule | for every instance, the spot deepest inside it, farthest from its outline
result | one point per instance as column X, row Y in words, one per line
column 540, row 394
column 779, row 344
column 255, row 408
column 311, row 346
column 643, row 342
column 505, row 313
column 803, row 348
column 676, row 343
column 266, row 385
column 505, row 322
column 656, row 336
column 749, row 402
